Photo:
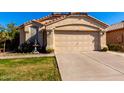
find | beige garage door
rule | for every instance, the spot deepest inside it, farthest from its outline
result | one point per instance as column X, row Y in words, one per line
column 76, row 41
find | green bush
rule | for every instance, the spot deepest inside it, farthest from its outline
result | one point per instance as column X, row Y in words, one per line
column 1, row 45
column 49, row 50
column 114, row 47
column 26, row 47
column 104, row 49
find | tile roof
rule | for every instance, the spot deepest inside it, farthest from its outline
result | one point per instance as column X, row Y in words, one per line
column 115, row 26
column 54, row 17
column 46, row 19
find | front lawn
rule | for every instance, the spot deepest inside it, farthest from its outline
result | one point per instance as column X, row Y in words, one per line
column 43, row 68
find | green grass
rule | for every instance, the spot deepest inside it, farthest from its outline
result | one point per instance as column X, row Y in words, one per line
column 43, row 68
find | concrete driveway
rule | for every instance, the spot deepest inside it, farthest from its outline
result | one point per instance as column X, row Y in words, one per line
column 90, row 66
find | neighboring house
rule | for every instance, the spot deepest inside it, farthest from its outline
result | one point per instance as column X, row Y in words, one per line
column 115, row 33
column 63, row 32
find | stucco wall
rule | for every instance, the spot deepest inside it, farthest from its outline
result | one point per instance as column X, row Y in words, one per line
column 76, row 20
column 50, row 39
column 26, row 34
column 22, row 36
column 77, row 27
column 103, row 40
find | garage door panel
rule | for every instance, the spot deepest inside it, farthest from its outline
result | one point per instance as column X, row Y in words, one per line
column 71, row 49
column 76, row 41
column 58, row 44
column 75, row 38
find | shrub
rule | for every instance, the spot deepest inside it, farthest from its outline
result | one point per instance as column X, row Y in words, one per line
column 114, row 47
column 26, row 47
column 1, row 45
column 42, row 49
column 104, row 49
column 49, row 50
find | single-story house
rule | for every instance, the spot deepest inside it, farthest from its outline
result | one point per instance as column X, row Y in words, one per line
column 115, row 33
column 75, row 31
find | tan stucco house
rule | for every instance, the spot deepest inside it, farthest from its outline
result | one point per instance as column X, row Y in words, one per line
column 115, row 33
column 62, row 32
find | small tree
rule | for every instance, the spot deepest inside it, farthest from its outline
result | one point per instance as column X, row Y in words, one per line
column 4, row 36
column 12, row 29
column 9, row 34
column 14, row 35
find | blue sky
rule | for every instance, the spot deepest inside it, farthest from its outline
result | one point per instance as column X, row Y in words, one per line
column 21, row 17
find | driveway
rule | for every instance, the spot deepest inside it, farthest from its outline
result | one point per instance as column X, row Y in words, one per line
column 90, row 66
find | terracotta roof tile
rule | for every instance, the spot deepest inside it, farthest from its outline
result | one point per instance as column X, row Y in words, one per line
column 45, row 20
column 57, row 17
column 115, row 26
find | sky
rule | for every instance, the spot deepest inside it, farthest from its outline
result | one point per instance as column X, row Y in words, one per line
column 20, row 17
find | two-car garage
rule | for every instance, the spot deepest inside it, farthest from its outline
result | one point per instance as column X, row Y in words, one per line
column 77, row 40
column 76, row 33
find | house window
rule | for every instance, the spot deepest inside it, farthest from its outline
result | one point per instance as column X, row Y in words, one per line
column 34, row 33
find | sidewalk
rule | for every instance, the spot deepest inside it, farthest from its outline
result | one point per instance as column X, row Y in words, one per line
column 26, row 56
column 116, row 53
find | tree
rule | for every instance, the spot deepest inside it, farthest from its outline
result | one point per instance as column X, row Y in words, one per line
column 14, row 34
column 4, row 36
column 9, row 36
column 12, row 29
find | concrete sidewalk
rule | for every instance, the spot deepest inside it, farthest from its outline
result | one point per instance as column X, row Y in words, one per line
column 27, row 56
